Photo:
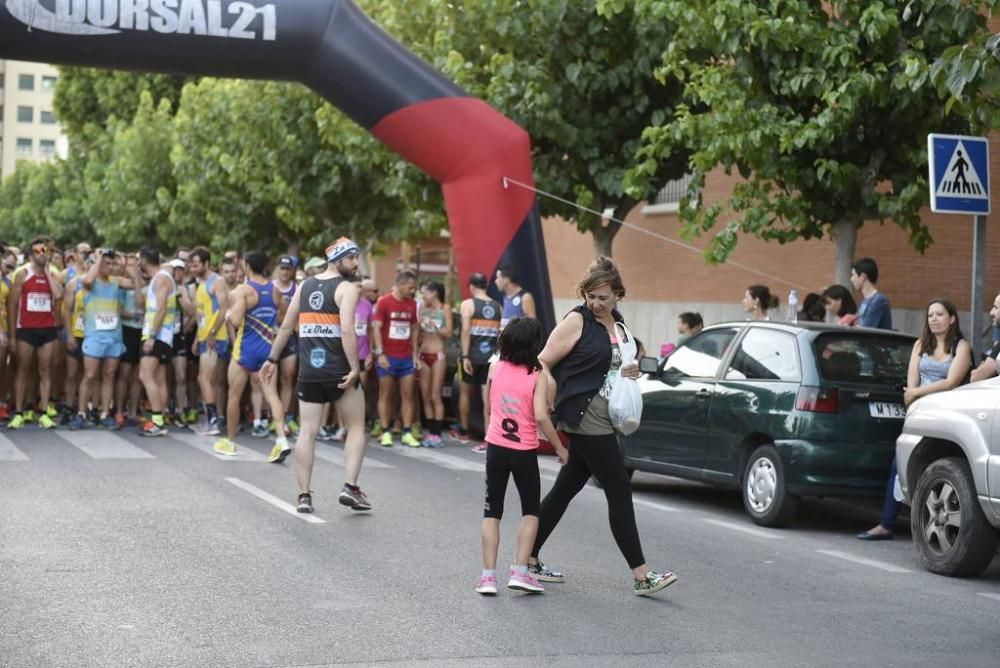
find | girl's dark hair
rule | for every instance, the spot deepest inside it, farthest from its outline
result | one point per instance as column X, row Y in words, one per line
column 436, row 287
column 521, row 341
column 763, row 294
column 847, row 304
column 928, row 342
column 814, row 312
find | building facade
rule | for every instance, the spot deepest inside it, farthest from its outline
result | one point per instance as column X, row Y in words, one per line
column 28, row 127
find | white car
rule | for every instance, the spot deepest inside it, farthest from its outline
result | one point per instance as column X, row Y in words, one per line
column 948, row 458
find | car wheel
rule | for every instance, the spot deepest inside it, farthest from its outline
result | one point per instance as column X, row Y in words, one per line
column 764, row 495
column 949, row 528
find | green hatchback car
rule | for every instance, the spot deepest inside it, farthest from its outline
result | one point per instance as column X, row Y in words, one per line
column 778, row 410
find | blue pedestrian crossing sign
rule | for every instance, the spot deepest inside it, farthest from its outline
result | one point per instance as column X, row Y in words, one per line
column 959, row 174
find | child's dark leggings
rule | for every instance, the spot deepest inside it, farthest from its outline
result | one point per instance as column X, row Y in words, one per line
column 601, row 457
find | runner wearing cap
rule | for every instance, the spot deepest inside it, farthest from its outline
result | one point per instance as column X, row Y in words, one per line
column 329, row 369
column 31, row 309
column 288, row 361
column 315, row 265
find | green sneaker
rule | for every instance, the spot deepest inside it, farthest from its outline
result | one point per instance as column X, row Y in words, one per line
column 191, row 415
column 292, row 426
column 45, row 422
column 52, row 411
column 653, row 582
column 418, row 431
column 29, row 416
column 17, row 422
column 387, row 439
column 409, row 440
column 377, row 430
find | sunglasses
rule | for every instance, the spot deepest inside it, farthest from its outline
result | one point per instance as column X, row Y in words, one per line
column 40, row 250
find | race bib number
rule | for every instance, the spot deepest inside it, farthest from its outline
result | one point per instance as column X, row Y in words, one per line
column 80, row 323
column 399, row 331
column 201, row 320
column 360, row 327
column 39, row 302
column 106, row 321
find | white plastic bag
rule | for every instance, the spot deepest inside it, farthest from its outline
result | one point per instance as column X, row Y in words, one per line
column 625, row 403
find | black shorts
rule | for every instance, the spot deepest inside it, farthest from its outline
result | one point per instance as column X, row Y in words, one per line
column 37, row 337
column 161, row 351
column 182, row 344
column 320, row 393
column 480, row 374
column 132, row 338
column 292, row 348
column 501, row 464
column 78, row 353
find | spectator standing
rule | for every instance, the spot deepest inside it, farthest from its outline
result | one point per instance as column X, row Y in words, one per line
column 840, row 304
column 874, row 310
column 988, row 369
column 757, row 301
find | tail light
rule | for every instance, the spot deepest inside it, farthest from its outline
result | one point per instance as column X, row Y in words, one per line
column 817, row 400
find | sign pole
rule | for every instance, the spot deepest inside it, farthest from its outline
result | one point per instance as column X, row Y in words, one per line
column 978, row 287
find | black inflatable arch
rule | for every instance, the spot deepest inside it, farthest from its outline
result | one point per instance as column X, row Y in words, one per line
column 333, row 47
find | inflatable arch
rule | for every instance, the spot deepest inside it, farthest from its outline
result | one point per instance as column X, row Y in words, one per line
column 334, row 48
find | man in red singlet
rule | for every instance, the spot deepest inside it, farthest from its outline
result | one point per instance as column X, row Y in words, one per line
column 31, row 308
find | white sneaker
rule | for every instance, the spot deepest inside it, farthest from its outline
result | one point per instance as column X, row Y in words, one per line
column 340, row 434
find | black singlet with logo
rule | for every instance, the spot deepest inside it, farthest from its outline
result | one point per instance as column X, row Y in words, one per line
column 484, row 330
column 321, row 348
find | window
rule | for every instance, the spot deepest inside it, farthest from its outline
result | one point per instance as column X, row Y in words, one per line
column 857, row 358
column 669, row 198
column 25, row 114
column 24, row 146
column 48, row 118
column 49, row 84
column 766, row 355
column 47, row 147
column 26, row 81
column 699, row 357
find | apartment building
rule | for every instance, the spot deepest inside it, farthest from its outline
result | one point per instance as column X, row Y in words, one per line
column 28, row 127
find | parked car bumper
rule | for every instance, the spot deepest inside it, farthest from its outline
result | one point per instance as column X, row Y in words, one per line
column 905, row 445
column 834, row 468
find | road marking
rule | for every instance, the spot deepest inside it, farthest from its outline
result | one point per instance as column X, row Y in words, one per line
column 864, row 562
column 431, row 456
column 655, row 505
column 243, row 453
column 760, row 533
column 995, row 597
column 103, row 445
column 335, row 455
column 9, row 451
column 275, row 501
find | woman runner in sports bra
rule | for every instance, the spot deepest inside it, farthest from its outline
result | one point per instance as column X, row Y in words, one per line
column 436, row 327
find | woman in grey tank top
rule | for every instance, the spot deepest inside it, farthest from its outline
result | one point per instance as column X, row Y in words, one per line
column 940, row 361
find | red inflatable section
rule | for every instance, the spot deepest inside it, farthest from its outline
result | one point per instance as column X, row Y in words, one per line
column 480, row 147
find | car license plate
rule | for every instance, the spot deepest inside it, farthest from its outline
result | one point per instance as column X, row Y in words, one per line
column 885, row 409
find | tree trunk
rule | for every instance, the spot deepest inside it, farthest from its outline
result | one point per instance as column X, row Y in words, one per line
column 602, row 236
column 845, row 232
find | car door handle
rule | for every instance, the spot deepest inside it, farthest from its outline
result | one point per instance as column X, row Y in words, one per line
column 703, row 394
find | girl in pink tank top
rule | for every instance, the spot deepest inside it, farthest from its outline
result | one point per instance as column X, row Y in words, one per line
column 518, row 411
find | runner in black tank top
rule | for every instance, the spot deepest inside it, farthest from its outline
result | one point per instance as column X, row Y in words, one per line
column 329, row 371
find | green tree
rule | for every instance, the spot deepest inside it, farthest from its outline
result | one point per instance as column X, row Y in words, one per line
column 45, row 199
column 970, row 74
column 581, row 83
column 822, row 109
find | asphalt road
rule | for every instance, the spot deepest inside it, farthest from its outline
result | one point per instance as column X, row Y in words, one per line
column 120, row 551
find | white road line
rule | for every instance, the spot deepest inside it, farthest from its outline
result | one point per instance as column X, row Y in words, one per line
column 103, row 445
column 9, row 451
column 335, row 455
column 747, row 530
column 204, row 443
column 655, row 505
column 432, row 456
column 995, row 597
column 881, row 565
column 275, row 501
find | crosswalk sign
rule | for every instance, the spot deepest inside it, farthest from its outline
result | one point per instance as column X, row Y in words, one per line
column 959, row 174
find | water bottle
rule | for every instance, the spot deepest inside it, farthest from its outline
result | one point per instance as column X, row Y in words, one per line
column 793, row 306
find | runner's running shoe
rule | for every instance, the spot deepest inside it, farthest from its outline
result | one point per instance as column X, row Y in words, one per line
column 525, row 582
column 653, row 582
column 279, row 452
column 481, row 448
column 376, row 430
column 387, row 439
column 487, row 585
column 260, row 430
column 191, row 415
column 150, row 429
column 225, row 447
column 17, row 422
column 324, row 435
column 409, row 440
column 51, row 411
column 29, row 415
column 304, row 504
column 109, row 423
column 77, row 423
column 292, row 425
column 545, row 574
column 120, row 420
column 354, row 498
column 45, row 422
column 340, row 434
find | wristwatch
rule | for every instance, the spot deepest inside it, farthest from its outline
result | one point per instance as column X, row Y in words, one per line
column 378, row 352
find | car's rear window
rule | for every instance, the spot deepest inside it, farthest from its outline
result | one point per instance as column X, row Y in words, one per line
column 863, row 358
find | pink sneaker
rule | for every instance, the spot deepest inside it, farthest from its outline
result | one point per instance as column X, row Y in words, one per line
column 487, row 585
column 481, row 448
column 524, row 582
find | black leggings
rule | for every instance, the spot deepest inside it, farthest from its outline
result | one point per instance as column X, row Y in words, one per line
column 601, row 457
column 501, row 463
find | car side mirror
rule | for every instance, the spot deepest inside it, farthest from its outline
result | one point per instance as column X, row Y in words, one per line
column 649, row 365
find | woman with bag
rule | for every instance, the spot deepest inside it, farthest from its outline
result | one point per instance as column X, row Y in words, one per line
column 584, row 357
